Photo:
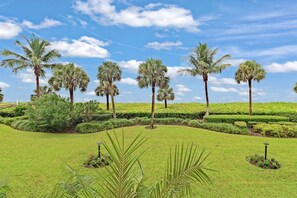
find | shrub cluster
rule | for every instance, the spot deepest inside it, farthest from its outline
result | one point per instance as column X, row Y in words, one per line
column 244, row 118
column 276, row 130
column 260, row 161
column 13, row 111
column 10, row 120
column 241, row 124
column 131, row 115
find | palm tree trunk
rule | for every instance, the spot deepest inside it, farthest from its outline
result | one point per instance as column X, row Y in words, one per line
column 206, row 96
column 71, row 95
column 250, row 96
column 113, row 107
column 107, row 102
column 153, row 107
column 37, row 86
column 165, row 103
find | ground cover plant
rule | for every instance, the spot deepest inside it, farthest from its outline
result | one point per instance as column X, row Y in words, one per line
column 260, row 161
column 39, row 159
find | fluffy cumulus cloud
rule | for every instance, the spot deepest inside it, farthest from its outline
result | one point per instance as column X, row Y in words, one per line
column 151, row 15
column 181, row 90
column 290, row 66
column 223, row 89
column 221, row 81
column 128, row 81
column 85, row 47
column 197, row 98
column 164, row 45
column 9, row 30
column 4, row 85
column 28, row 76
column 131, row 65
column 46, row 23
column 91, row 93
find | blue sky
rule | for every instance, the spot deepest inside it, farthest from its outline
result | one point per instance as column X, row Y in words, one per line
column 88, row 32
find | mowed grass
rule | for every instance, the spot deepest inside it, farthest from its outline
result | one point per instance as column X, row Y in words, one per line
column 34, row 162
column 223, row 108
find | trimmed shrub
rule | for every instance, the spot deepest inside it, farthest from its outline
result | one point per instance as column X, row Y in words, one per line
column 225, row 128
column 10, row 120
column 276, row 130
column 260, row 161
column 244, row 118
column 240, row 124
column 198, row 115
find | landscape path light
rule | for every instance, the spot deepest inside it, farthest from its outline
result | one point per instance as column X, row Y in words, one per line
column 99, row 144
column 266, row 145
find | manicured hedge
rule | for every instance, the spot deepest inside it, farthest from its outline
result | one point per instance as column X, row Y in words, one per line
column 276, row 130
column 198, row 115
column 13, row 111
column 9, row 121
column 244, row 118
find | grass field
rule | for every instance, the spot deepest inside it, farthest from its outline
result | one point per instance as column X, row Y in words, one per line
column 224, row 108
column 33, row 162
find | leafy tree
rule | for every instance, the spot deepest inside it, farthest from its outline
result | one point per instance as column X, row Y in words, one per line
column 1, row 95
column 152, row 73
column 202, row 60
column 124, row 177
column 103, row 90
column 247, row 72
column 165, row 94
column 110, row 72
column 69, row 77
column 43, row 90
column 36, row 57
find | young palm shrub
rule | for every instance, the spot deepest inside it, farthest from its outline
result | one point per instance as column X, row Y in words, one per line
column 69, row 77
column 124, row 177
column 43, row 90
column 247, row 72
column 1, row 95
column 103, row 90
column 202, row 60
column 36, row 57
column 165, row 94
column 152, row 73
column 110, row 72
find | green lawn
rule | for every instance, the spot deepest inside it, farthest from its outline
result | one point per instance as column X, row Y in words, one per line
column 34, row 162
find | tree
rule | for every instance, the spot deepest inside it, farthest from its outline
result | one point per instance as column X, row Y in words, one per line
column 103, row 90
column 202, row 60
column 152, row 73
column 110, row 72
column 247, row 72
column 186, row 167
column 1, row 95
column 43, row 90
column 36, row 57
column 165, row 94
column 295, row 88
column 70, row 77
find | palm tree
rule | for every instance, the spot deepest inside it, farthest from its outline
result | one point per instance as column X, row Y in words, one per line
column 36, row 56
column 248, row 71
column 295, row 88
column 165, row 94
column 202, row 60
column 152, row 73
column 70, row 77
column 186, row 167
column 103, row 90
column 110, row 72
column 1, row 95
column 43, row 90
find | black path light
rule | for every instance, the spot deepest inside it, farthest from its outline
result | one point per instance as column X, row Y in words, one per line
column 99, row 154
column 266, row 145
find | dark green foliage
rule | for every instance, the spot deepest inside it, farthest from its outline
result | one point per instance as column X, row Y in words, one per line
column 276, row 130
column 198, row 115
column 225, row 128
column 260, row 161
column 9, row 120
column 84, row 112
column 20, row 110
column 240, row 124
column 293, row 117
column 245, row 118
column 95, row 162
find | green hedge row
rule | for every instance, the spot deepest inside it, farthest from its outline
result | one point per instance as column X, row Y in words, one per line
column 276, row 130
column 198, row 115
column 13, row 111
column 244, row 118
column 9, row 120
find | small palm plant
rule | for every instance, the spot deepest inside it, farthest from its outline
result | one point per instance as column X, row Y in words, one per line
column 69, row 77
column 43, row 90
column 247, row 72
column 165, row 94
column 124, row 177
column 104, row 90
column 202, row 60
column 152, row 73
column 36, row 57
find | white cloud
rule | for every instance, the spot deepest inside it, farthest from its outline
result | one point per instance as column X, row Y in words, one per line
column 197, row 98
column 131, row 65
column 83, row 47
column 220, row 81
column 223, row 89
column 128, row 81
column 29, row 77
column 152, row 15
column 46, row 23
column 91, row 93
column 159, row 35
column 4, row 85
column 9, row 30
column 290, row 66
column 182, row 88
column 164, row 45
column 234, row 62
column 255, row 92
column 173, row 71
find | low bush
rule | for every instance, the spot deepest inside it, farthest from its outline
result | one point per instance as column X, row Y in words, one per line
column 95, row 162
column 260, row 161
column 225, row 128
column 13, row 111
column 198, row 115
column 10, row 120
column 24, row 125
column 276, row 130
column 244, row 118
column 240, row 124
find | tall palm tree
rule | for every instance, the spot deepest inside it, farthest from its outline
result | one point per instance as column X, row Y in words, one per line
column 247, row 72
column 165, row 94
column 103, row 90
column 1, row 95
column 152, row 73
column 36, row 56
column 70, row 77
column 202, row 60
column 295, row 88
column 110, row 72
column 43, row 90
